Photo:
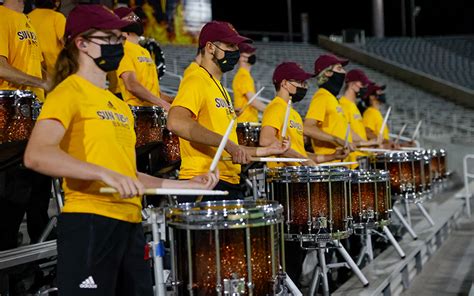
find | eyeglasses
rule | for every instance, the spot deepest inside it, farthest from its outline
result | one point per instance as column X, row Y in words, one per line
column 132, row 18
column 302, row 83
column 109, row 39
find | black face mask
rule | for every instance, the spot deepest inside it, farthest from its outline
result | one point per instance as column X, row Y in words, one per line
column 230, row 59
column 362, row 92
column 252, row 59
column 334, row 84
column 135, row 27
column 382, row 98
column 110, row 57
column 299, row 94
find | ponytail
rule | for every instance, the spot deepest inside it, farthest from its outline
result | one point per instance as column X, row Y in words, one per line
column 67, row 62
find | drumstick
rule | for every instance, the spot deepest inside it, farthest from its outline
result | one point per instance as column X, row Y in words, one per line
column 374, row 150
column 285, row 123
column 272, row 159
column 385, row 120
column 220, row 149
column 417, row 129
column 400, row 133
column 337, row 163
column 346, row 139
column 170, row 191
column 251, row 100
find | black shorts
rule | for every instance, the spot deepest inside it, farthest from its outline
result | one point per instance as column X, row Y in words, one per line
column 101, row 256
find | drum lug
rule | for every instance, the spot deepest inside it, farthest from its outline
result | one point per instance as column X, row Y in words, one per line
column 234, row 286
column 322, row 222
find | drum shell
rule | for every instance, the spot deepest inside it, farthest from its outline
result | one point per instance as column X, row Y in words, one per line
column 213, row 236
column 311, row 198
column 370, row 197
column 16, row 115
column 149, row 124
column 248, row 133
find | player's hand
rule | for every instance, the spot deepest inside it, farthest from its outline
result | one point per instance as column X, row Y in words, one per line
column 238, row 153
column 207, row 181
column 126, row 186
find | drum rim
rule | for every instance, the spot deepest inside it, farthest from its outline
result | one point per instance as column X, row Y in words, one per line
column 16, row 93
column 249, row 124
column 251, row 213
column 398, row 156
column 301, row 175
column 147, row 108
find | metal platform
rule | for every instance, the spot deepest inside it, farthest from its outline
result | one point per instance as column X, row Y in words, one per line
column 388, row 274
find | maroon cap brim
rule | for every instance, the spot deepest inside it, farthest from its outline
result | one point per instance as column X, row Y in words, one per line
column 236, row 39
column 112, row 25
column 303, row 76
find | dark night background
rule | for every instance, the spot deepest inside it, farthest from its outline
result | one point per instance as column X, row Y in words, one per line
column 437, row 17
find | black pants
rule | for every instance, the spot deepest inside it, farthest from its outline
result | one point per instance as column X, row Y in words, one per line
column 235, row 192
column 23, row 191
column 101, row 256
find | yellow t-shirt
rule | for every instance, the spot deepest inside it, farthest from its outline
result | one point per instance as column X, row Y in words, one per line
column 204, row 98
column 50, row 26
column 137, row 59
column 354, row 117
column 325, row 108
column 373, row 120
column 19, row 44
column 274, row 116
column 241, row 85
column 99, row 130
column 193, row 66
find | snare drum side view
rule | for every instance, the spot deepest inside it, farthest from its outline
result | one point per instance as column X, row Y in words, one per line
column 314, row 200
column 438, row 164
column 248, row 133
column 16, row 115
column 371, row 202
column 226, row 247
column 149, row 124
column 400, row 167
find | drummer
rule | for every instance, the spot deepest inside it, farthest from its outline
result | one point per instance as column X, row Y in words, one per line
column 23, row 191
column 137, row 76
column 325, row 122
column 373, row 119
column 202, row 111
column 243, row 86
column 289, row 80
column 86, row 135
column 356, row 82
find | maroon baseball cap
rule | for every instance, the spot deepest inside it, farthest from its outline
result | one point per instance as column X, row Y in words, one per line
column 122, row 12
column 247, row 48
column 92, row 16
column 373, row 88
column 220, row 31
column 357, row 75
column 290, row 71
column 326, row 60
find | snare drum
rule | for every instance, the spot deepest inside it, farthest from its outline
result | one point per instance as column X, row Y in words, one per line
column 16, row 120
column 248, row 133
column 226, row 247
column 371, row 202
column 438, row 164
column 169, row 153
column 315, row 201
column 149, row 124
column 400, row 167
column 427, row 169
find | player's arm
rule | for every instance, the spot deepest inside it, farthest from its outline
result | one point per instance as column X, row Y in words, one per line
column 137, row 89
column 11, row 74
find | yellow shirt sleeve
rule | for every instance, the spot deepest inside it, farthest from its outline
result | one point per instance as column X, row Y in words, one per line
column 59, row 107
column 317, row 109
column 4, row 36
column 60, row 25
column 189, row 95
column 272, row 116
